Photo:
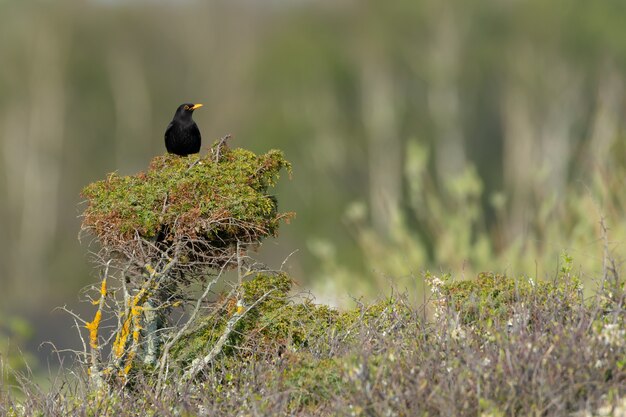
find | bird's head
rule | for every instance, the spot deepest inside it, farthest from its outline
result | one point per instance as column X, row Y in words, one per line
column 185, row 110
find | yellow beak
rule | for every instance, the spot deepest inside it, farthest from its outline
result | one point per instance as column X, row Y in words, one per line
column 196, row 106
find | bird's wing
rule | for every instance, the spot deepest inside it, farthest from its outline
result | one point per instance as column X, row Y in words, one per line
column 168, row 133
column 168, row 130
column 195, row 132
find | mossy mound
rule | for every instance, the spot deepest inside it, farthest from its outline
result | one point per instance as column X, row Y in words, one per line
column 279, row 324
column 497, row 299
column 304, row 348
column 274, row 325
column 195, row 199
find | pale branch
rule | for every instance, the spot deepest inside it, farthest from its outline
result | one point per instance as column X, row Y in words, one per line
column 82, row 340
column 94, row 327
column 200, row 363
column 239, row 262
column 168, row 345
column 74, row 315
column 282, row 265
column 193, row 164
column 151, row 315
column 219, row 146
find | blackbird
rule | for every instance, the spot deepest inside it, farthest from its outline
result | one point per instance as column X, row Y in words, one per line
column 182, row 136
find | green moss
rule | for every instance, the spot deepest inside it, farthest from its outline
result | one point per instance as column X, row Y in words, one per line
column 279, row 323
column 192, row 197
column 274, row 323
column 379, row 316
column 199, row 340
column 276, row 327
column 494, row 298
column 279, row 284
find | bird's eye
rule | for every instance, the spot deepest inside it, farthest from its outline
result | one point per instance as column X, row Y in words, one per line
column 186, row 107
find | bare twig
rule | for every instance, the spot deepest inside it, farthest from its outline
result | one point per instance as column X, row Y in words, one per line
column 193, row 164
column 200, row 363
column 282, row 265
column 168, row 345
column 219, row 146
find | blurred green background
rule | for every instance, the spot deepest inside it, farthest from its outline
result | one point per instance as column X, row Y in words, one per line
column 450, row 135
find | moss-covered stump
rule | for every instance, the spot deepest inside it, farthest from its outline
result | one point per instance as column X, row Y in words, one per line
column 206, row 203
column 184, row 219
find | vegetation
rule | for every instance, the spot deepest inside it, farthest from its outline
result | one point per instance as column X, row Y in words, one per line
column 217, row 200
column 494, row 298
column 14, row 332
column 492, row 346
column 290, row 356
column 186, row 220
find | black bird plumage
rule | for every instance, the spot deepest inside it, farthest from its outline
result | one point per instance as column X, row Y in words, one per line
column 182, row 136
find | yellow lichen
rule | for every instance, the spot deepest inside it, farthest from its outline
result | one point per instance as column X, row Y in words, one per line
column 121, row 340
column 93, row 329
column 103, row 288
column 122, row 337
column 150, row 269
column 135, row 313
column 129, row 363
column 94, row 325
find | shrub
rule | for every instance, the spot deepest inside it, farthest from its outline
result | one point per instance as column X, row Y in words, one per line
column 205, row 202
column 496, row 299
column 385, row 358
column 184, row 220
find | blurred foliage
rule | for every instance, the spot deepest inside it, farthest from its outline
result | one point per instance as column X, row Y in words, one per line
column 14, row 333
column 448, row 228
